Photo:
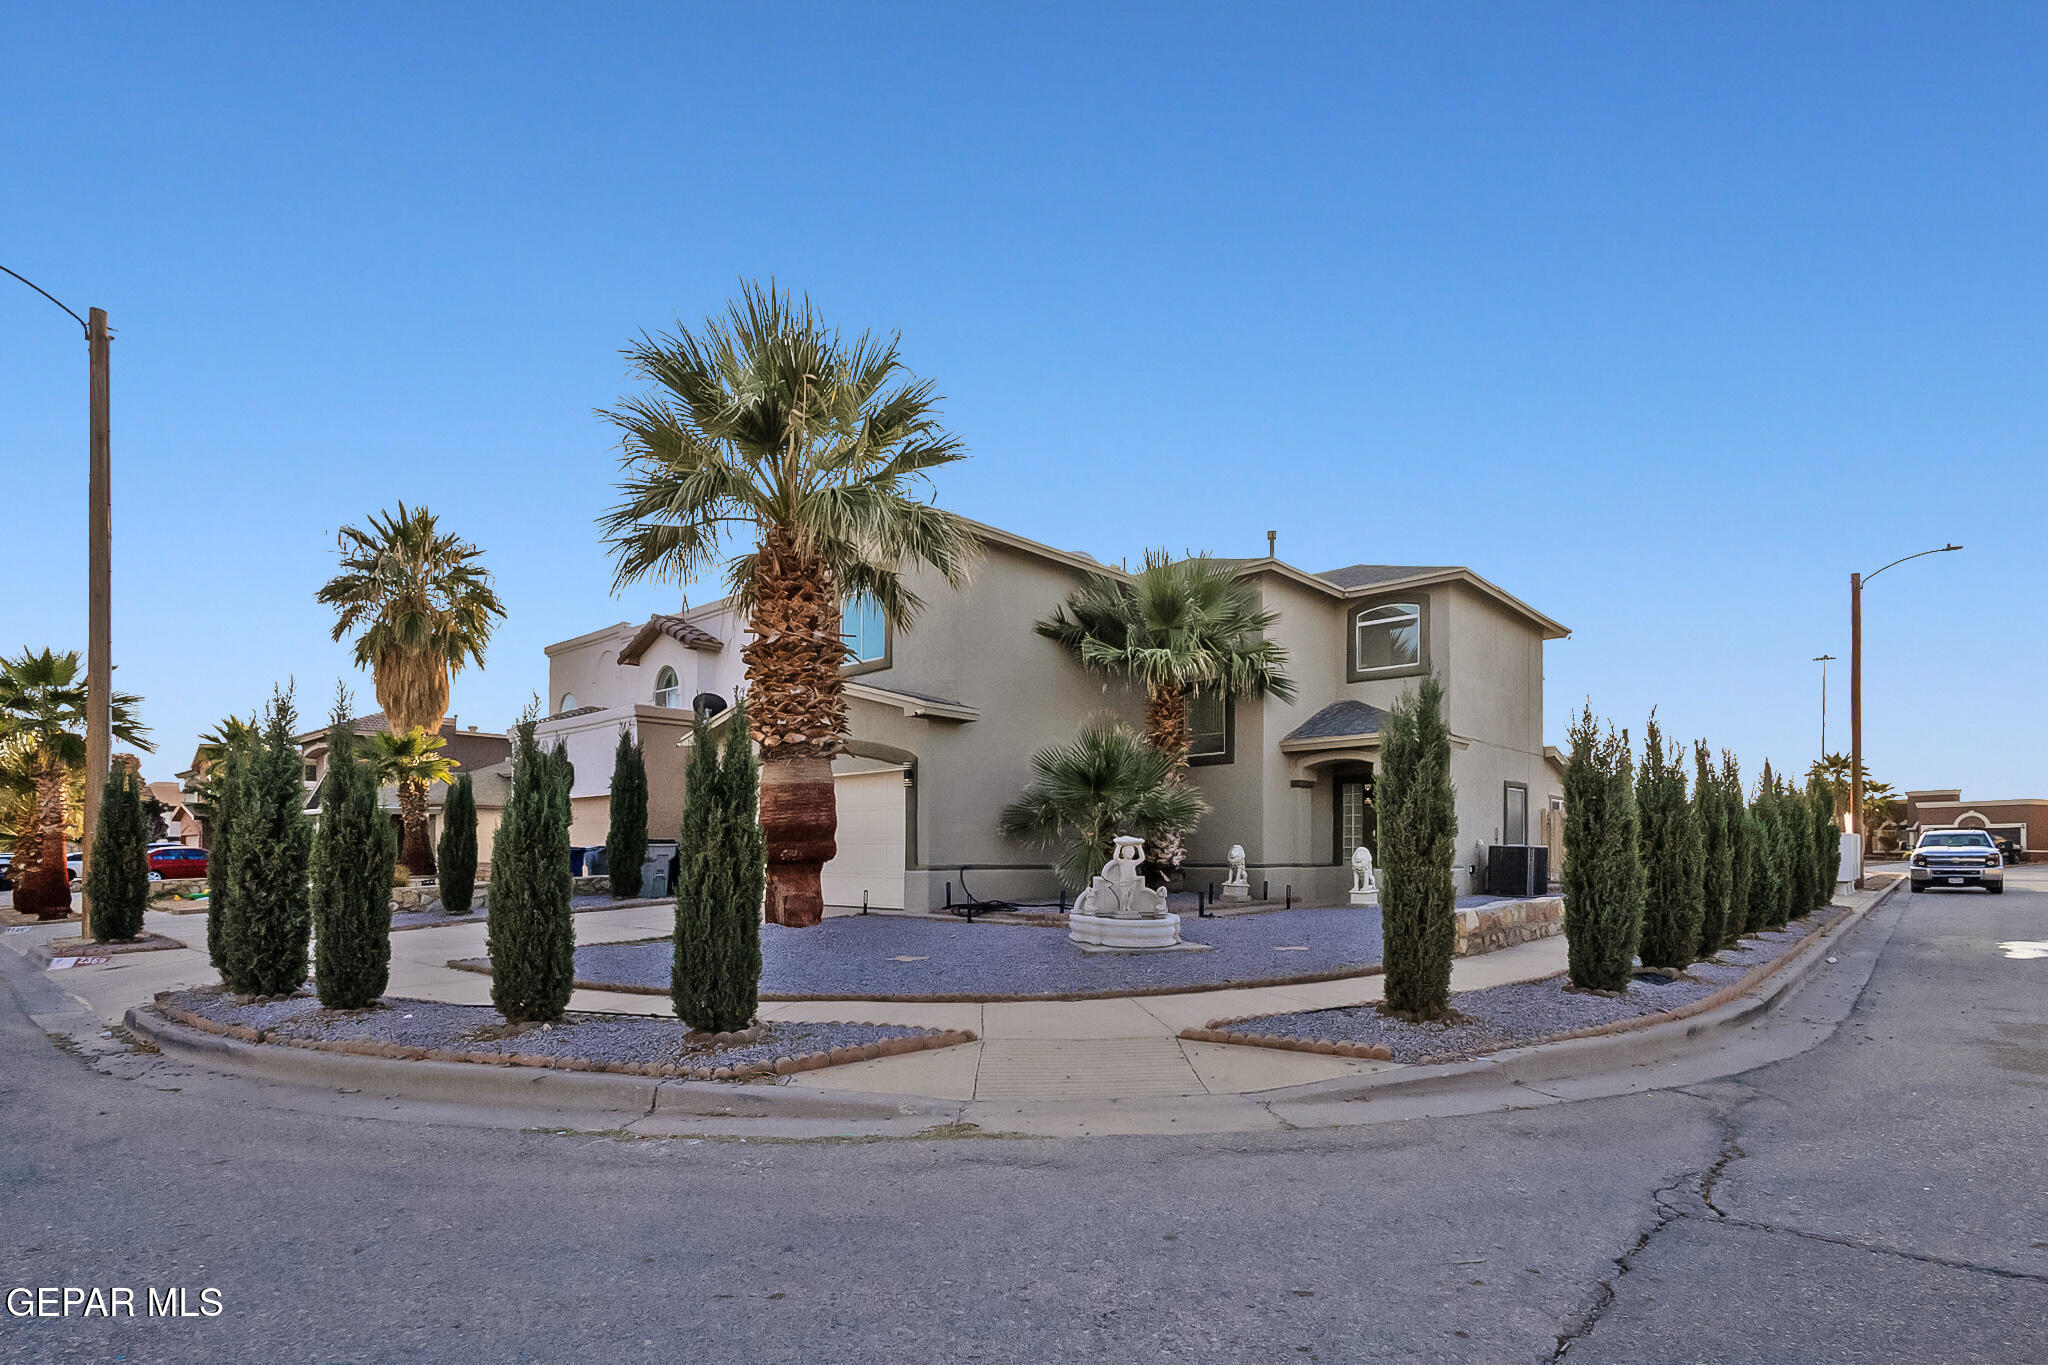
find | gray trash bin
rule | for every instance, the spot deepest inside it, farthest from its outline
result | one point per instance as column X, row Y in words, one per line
column 654, row 870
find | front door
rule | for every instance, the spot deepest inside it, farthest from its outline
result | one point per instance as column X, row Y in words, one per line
column 1356, row 825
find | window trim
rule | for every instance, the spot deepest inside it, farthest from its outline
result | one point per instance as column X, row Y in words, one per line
column 1229, row 753
column 1352, row 672
column 853, row 668
column 675, row 689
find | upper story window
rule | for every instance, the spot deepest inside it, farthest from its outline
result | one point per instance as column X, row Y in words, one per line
column 1210, row 720
column 866, row 633
column 568, row 703
column 1389, row 640
column 668, row 691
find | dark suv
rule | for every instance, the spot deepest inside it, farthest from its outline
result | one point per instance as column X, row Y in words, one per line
column 1957, row 857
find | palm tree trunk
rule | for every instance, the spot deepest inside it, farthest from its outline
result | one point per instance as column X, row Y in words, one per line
column 46, row 892
column 798, row 717
column 418, row 856
column 1167, row 727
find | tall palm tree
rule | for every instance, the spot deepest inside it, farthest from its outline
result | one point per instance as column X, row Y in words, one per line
column 765, row 426
column 423, row 608
column 43, row 712
column 412, row 760
column 1108, row 781
column 1176, row 627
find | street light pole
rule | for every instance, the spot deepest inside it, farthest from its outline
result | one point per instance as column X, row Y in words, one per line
column 1856, row 582
column 1823, row 660
column 99, row 662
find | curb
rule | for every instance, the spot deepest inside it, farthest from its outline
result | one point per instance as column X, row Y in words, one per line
column 47, row 951
column 481, row 966
column 1588, row 1050
column 434, row 1074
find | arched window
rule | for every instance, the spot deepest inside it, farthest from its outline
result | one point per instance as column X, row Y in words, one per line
column 568, row 703
column 667, row 691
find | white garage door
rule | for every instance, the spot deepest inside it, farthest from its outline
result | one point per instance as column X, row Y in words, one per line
column 871, row 816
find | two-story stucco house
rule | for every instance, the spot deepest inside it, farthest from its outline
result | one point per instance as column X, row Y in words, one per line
column 943, row 720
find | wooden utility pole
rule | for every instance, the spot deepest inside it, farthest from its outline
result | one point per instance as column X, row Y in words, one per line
column 99, row 662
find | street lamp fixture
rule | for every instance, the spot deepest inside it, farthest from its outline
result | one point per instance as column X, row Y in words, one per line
column 1856, row 582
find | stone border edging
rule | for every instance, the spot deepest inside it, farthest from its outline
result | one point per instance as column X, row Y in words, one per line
column 782, row 1066
column 482, row 968
column 1623, row 1035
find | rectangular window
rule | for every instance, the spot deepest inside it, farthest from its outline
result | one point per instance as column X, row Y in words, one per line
column 1210, row 720
column 1354, row 819
column 1515, row 819
column 865, row 631
column 1388, row 636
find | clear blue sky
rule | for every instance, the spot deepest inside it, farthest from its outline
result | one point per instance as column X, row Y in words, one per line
column 1665, row 318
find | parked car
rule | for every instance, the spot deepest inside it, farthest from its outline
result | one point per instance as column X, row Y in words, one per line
column 75, row 865
column 174, row 862
column 2011, row 852
column 6, row 866
column 1957, row 857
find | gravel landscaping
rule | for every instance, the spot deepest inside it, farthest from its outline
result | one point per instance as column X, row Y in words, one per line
column 643, row 1045
column 900, row 958
column 434, row 917
column 1523, row 1012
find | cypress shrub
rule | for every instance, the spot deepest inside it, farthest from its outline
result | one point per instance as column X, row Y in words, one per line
column 117, row 887
column 625, row 842
column 1603, row 874
column 1717, row 866
column 1764, row 891
column 224, row 783
column 269, row 921
column 354, row 853
column 1805, row 852
column 1672, row 857
column 1418, row 831
column 531, row 935
column 715, row 977
column 1741, row 850
column 456, row 853
column 1781, row 856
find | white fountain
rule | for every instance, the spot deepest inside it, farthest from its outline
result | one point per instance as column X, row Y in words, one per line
column 1118, row 910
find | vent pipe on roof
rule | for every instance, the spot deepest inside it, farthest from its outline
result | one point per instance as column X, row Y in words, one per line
column 1271, row 538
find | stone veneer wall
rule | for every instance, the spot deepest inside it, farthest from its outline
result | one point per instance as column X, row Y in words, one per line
column 1503, row 924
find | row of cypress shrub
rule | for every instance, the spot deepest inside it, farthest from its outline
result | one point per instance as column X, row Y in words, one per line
column 1657, row 872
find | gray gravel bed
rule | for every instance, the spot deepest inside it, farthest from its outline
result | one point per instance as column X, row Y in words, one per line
column 1524, row 1012
column 892, row 958
column 434, row 917
column 479, row 1028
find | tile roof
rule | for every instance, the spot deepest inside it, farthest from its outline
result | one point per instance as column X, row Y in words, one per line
column 1340, row 720
column 577, row 711
column 1365, row 575
column 675, row 628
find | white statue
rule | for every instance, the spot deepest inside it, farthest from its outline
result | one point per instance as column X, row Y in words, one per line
column 1118, row 910
column 1364, row 889
column 1238, row 886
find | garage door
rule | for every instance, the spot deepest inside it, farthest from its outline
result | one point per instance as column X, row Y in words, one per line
column 871, row 842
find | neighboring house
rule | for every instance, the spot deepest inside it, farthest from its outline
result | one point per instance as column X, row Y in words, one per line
column 2024, row 821
column 484, row 756
column 181, row 826
column 943, row 720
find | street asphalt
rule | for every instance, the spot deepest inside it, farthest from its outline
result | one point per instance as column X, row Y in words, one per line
column 1877, row 1198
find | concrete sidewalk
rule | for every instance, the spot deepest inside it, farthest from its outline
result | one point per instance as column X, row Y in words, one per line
column 1041, row 1067
column 1086, row 1050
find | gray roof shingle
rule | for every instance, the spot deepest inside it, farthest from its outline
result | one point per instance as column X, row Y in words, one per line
column 1365, row 575
column 1341, row 720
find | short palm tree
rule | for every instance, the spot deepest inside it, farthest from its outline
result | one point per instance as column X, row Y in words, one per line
column 423, row 608
column 412, row 760
column 1108, row 781
column 43, row 715
column 229, row 737
column 1834, row 770
column 766, row 426
column 1176, row 627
